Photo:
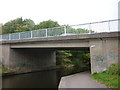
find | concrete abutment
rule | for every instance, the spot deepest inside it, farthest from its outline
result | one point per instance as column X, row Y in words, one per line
column 103, row 52
column 27, row 60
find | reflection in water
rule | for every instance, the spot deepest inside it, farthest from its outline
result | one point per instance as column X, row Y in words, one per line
column 46, row 79
column 43, row 79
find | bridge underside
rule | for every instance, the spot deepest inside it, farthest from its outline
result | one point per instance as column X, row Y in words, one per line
column 33, row 59
column 26, row 60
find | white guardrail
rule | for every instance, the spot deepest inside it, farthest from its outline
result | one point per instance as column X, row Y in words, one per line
column 88, row 28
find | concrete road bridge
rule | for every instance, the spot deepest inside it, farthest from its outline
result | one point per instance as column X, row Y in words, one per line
column 30, row 53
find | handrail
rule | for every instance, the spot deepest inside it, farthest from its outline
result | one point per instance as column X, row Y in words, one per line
column 86, row 28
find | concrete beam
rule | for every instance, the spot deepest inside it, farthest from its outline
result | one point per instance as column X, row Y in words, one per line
column 54, row 44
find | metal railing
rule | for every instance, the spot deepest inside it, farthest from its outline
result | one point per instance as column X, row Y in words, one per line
column 88, row 28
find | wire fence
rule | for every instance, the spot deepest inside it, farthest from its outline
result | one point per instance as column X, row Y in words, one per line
column 88, row 28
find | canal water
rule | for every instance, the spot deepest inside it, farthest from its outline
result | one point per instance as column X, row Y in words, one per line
column 43, row 79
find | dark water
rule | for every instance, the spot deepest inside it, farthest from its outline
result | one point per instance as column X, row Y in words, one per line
column 43, row 79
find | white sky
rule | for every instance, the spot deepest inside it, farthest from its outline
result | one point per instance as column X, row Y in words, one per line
column 64, row 11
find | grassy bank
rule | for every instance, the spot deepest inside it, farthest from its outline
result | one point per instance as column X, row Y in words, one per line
column 3, row 69
column 109, row 77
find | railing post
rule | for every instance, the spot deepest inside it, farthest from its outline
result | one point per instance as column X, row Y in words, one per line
column 9, row 36
column 109, row 26
column 89, row 28
column 46, row 32
column 31, row 34
column 65, row 30
column 19, row 35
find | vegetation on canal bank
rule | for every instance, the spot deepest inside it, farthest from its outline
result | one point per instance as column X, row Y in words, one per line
column 3, row 69
column 109, row 77
column 76, row 58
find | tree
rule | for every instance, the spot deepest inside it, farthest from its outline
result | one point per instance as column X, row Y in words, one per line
column 46, row 24
column 18, row 25
column 80, row 59
column 77, row 30
column 29, row 22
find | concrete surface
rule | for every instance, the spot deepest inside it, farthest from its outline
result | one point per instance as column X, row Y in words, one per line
column 79, row 80
column 35, row 54
column 28, row 59
column 103, row 53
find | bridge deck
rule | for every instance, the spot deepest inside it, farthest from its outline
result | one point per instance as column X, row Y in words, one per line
column 69, row 37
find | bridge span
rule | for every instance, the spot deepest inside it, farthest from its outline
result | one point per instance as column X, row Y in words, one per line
column 40, row 53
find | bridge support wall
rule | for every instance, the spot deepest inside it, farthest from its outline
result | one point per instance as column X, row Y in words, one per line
column 104, row 52
column 26, row 60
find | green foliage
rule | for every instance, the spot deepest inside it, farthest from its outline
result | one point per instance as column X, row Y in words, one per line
column 77, row 63
column 21, row 25
column 109, row 77
column 18, row 25
column 114, row 69
column 63, row 57
column 66, row 62
column 3, row 69
column 65, row 52
column 46, row 24
column 78, row 30
column 79, row 59
column 68, row 71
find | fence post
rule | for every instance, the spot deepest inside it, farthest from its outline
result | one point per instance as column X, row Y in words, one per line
column 19, row 35
column 109, row 26
column 9, row 36
column 31, row 34
column 65, row 30
column 89, row 28
column 46, row 32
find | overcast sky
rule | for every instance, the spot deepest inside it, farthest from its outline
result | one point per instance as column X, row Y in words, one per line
column 64, row 11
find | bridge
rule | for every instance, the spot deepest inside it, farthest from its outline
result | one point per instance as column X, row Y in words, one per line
column 36, row 50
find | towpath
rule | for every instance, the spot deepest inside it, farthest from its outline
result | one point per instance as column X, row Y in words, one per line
column 79, row 80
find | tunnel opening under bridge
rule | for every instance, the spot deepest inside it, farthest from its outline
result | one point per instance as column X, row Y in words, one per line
column 36, row 59
column 78, row 58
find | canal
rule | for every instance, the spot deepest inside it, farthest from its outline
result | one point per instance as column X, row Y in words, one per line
column 43, row 79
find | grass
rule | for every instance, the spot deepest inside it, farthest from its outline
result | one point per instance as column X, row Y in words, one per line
column 3, row 69
column 109, row 77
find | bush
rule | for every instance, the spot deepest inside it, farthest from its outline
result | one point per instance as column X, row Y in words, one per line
column 3, row 69
column 114, row 69
column 109, row 77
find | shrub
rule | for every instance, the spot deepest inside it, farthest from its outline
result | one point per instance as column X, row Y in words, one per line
column 114, row 69
column 109, row 77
